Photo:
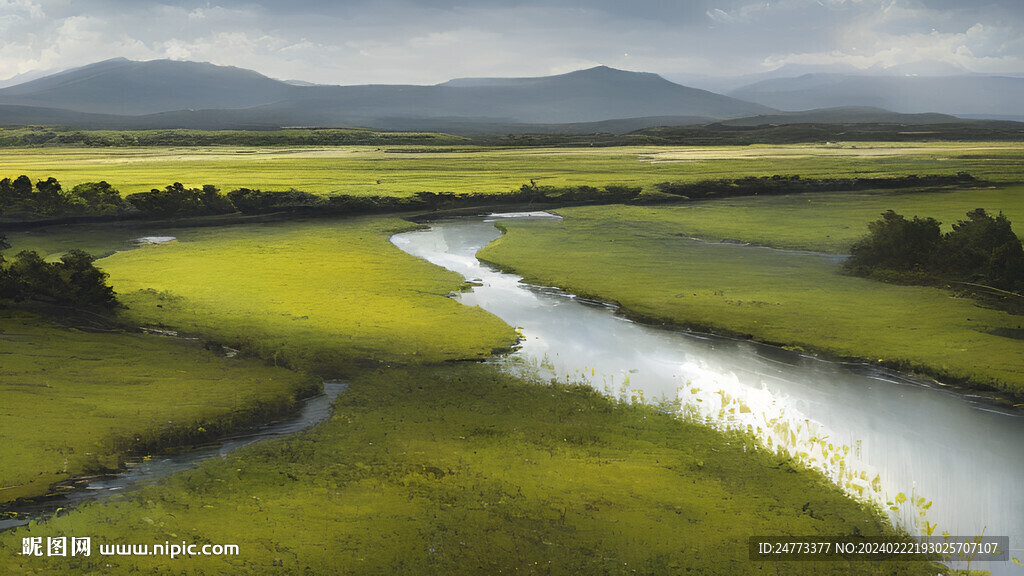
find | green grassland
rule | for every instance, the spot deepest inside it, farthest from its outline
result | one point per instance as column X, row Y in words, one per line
column 434, row 466
column 404, row 171
column 77, row 401
column 645, row 260
column 460, row 469
column 451, row 468
column 827, row 222
column 324, row 296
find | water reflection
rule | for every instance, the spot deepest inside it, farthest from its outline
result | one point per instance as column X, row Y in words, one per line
column 876, row 433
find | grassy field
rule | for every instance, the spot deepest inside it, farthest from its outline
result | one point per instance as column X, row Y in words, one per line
column 463, row 470
column 404, row 171
column 436, row 466
column 76, row 401
column 825, row 222
column 447, row 469
column 324, row 296
column 644, row 259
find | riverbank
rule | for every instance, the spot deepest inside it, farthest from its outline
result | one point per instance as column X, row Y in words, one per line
column 648, row 265
column 80, row 400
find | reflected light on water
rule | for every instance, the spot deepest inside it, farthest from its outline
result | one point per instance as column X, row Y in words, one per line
column 934, row 460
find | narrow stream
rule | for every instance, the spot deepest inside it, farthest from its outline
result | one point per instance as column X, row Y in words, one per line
column 311, row 411
column 876, row 433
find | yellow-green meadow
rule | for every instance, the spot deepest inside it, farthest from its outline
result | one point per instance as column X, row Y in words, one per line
column 433, row 461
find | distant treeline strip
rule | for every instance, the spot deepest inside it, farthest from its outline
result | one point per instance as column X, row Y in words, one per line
column 47, row 200
column 57, row 136
column 715, row 134
column 776, row 185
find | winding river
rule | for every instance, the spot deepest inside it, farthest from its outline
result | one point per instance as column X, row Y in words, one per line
column 947, row 462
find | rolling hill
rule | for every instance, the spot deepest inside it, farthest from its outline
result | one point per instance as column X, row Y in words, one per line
column 163, row 94
column 129, row 95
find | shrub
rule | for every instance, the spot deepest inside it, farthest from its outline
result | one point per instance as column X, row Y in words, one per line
column 980, row 249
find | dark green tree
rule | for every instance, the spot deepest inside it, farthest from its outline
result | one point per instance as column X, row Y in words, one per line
column 98, row 198
column 214, row 202
column 49, row 197
column 32, row 276
column 74, row 281
column 895, row 243
column 15, row 194
column 81, row 283
column 983, row 249
column 176, row 200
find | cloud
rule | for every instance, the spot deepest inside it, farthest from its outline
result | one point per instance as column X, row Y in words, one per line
column 719, row 15
column 428, row 41
column 890, row 34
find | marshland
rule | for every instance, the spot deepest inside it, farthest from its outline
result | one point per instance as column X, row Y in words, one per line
column 471, row 441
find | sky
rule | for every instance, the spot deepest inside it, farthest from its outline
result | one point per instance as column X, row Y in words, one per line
column 428, row 41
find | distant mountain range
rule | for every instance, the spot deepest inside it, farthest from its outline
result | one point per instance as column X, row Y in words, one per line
column 125, row 94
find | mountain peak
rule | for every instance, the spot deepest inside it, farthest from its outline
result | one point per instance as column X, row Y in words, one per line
column 129, row 88
column 597, row 73
column 608, row 73
column 122, row 86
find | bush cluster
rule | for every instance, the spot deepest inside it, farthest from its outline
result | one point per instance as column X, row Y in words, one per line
column 48, row 198
column 981, row 249
column 176, row 200
column 74, row 281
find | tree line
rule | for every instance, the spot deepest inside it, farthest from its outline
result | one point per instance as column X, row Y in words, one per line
column 20, row 198
column 980, row 251
column 794, row 184
column 57, row 136
column 48, row 199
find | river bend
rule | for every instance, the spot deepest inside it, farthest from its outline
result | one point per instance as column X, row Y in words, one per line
column 876, row 433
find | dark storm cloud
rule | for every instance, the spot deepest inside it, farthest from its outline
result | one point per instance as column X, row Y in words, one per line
column 426, row 41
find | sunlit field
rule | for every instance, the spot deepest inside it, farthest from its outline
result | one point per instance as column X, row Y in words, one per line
column 407, row 170
column 434, row 461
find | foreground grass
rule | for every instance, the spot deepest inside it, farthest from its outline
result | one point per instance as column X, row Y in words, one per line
column 371, row 170
column 325, row 296
column 644, row 260
column 75, row 402
column 463, row 470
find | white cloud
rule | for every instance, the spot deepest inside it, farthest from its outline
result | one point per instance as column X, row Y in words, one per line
column 901, row 34
column 22, row 7
column 176, row 50
column 719, row 15
column 414, row 41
